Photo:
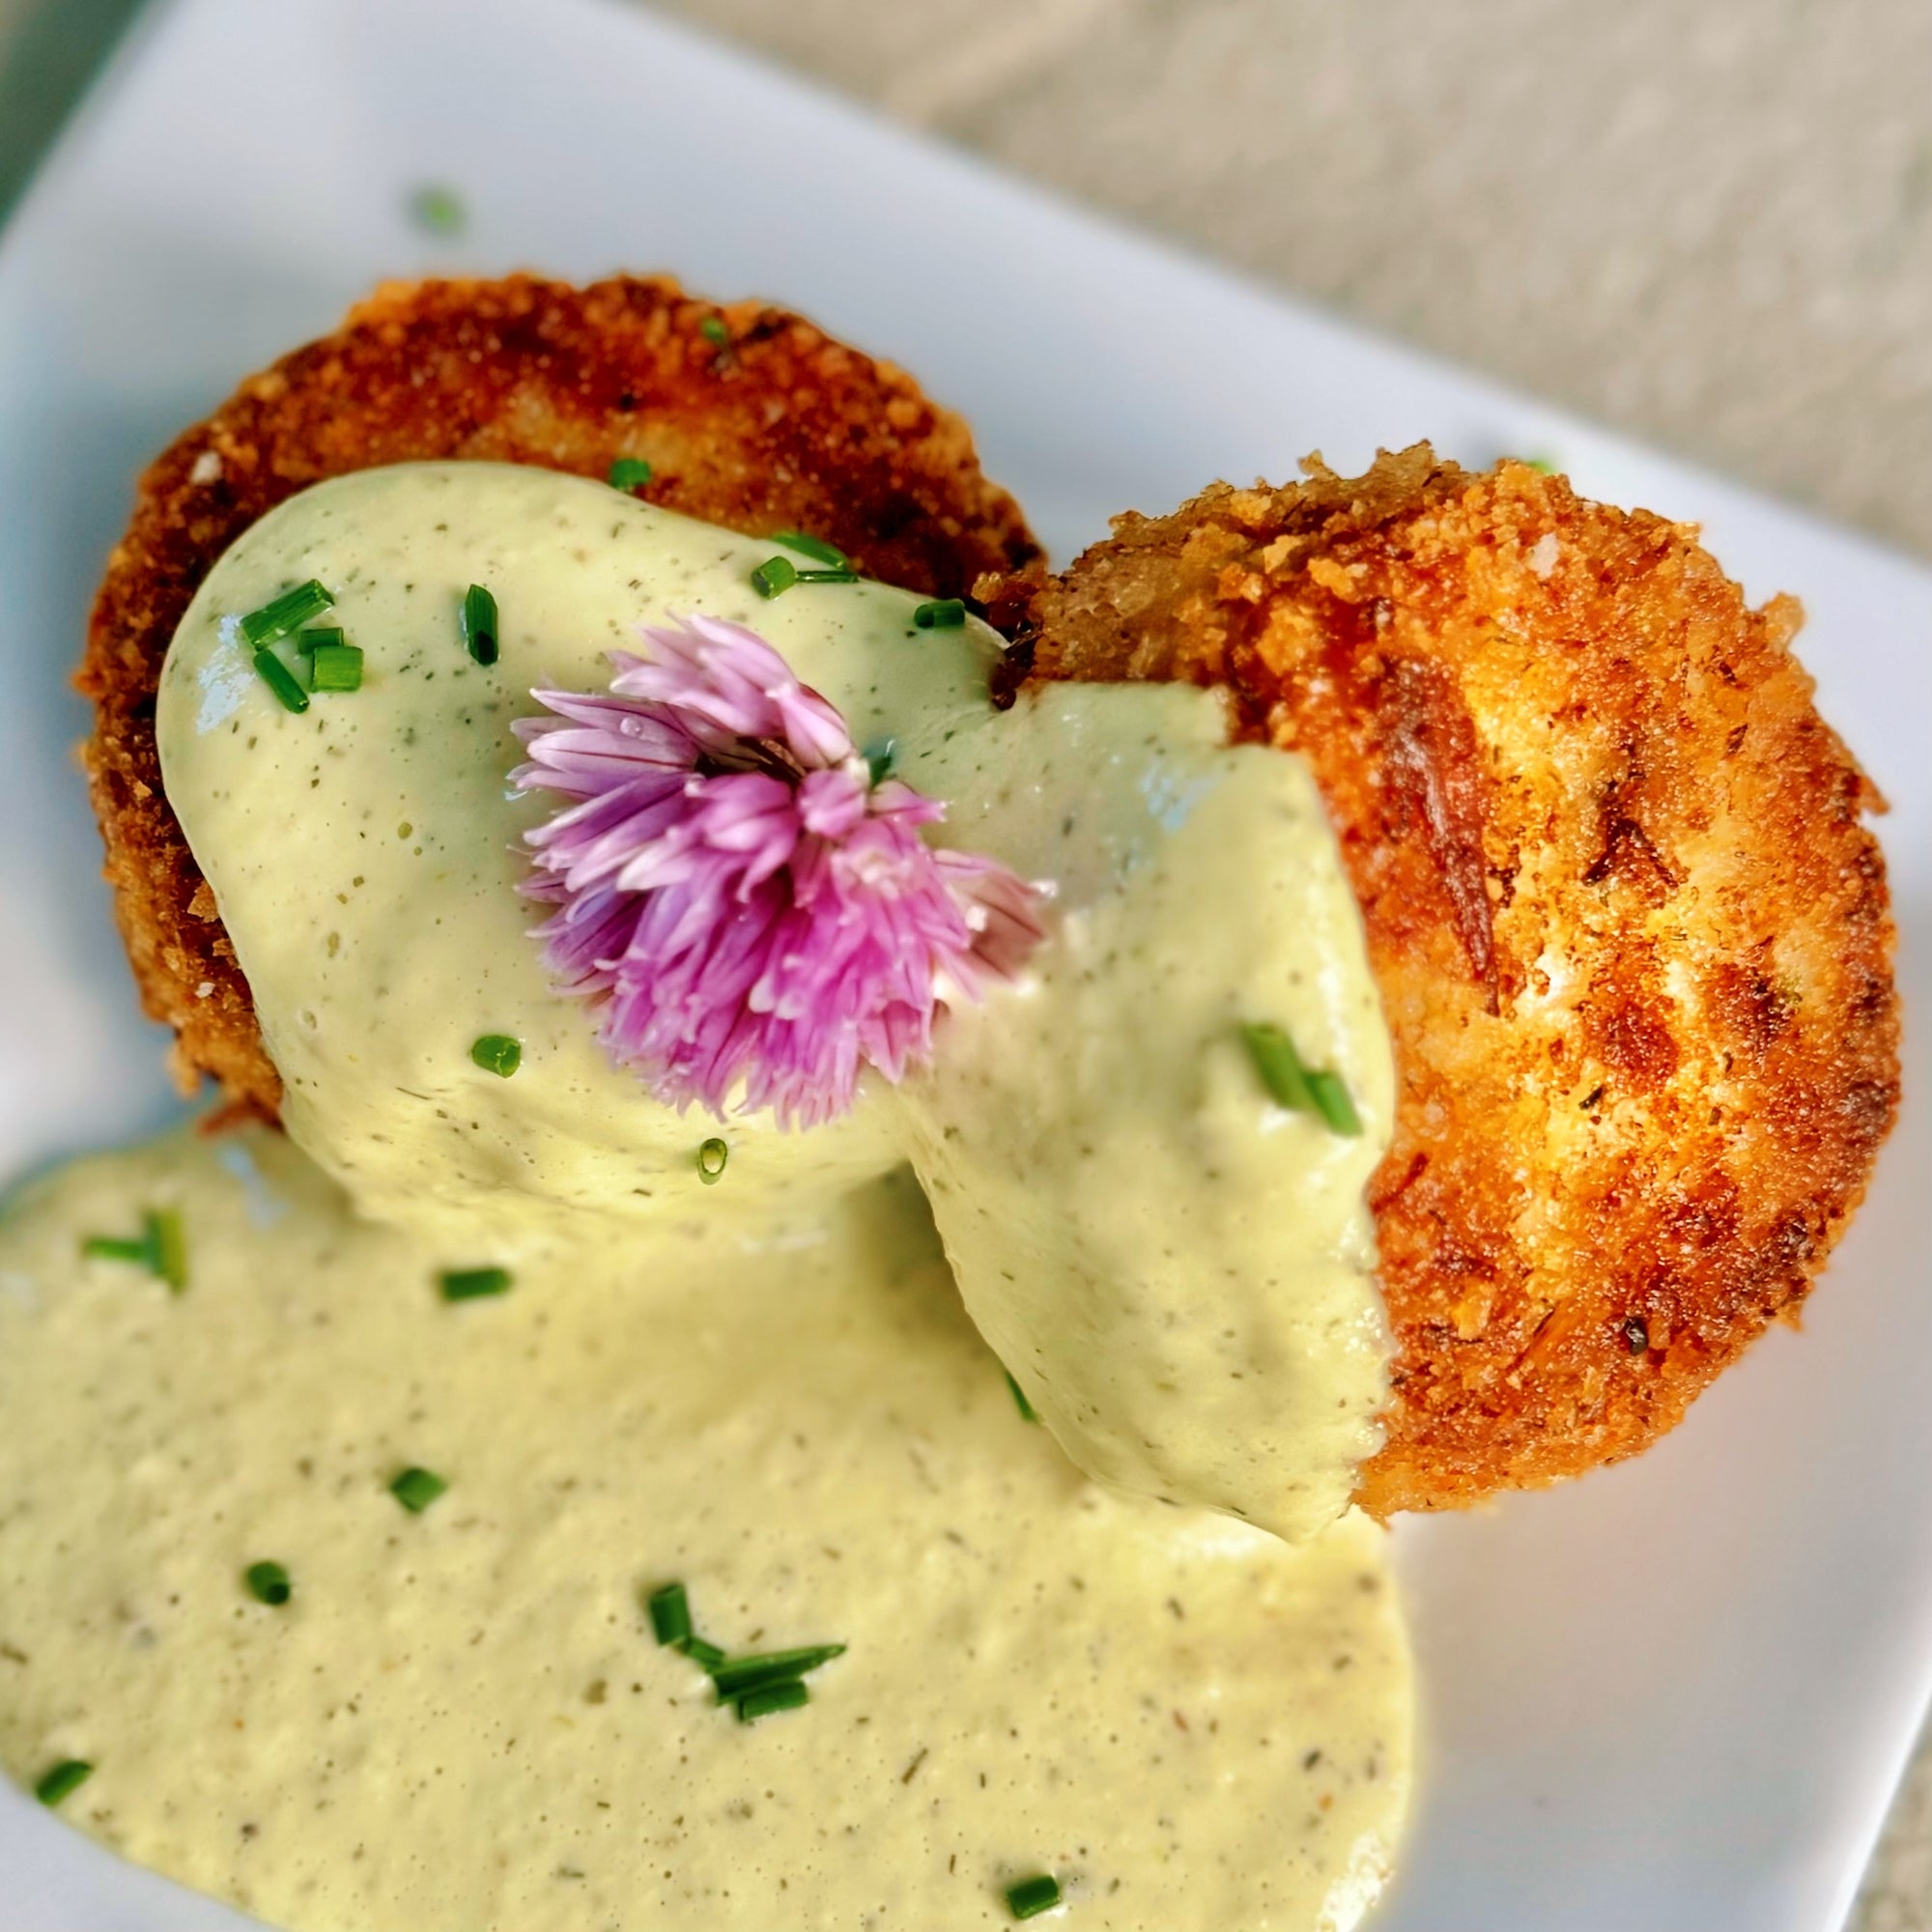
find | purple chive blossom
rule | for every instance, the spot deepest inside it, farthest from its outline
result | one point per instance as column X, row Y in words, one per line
column 737, row 895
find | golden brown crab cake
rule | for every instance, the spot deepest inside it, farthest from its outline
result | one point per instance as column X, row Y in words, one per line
column 1631, row 935
column 749, row 417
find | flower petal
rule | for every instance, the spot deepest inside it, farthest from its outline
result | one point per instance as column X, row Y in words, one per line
column 749, row 915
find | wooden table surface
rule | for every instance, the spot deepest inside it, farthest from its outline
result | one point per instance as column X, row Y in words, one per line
column 1708, row 225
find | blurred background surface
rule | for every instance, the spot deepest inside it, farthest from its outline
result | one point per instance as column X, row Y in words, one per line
column 1710, row 226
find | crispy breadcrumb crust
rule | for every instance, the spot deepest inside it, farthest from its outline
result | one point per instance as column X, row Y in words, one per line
column 1632, row 937
column 749, row 417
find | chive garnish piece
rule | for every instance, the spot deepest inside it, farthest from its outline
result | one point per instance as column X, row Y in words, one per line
column 671, row 1615
column 1031, row 1897
column 473, row 1283
column 713, row 329
column 786, row 1695
column 159, row 1247
column 63, row 1780
column 269, row 1583
column 166, row 1245
column 942, row 613
column 739, row 1675
column 1296, row 1086
column 317, row 635
column 1020, row 1401
column 335, row 668
column 1333, row 1103
column 281, row 680
column 439, row 210
column 776, row 575
column 711, row 1157
column 416, row 1488
column 479, row 624
column 846, row 574
column 289, row 612
column 815, row 548
column 628, row 473
column 115, row 1248
column 879, row 759
column 1279, row 1066
column 497, row 1053
column 707, row 1655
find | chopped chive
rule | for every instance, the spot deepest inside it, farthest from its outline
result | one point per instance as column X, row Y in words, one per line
column 711, row 1157
column 943, row 614
column 63, row 1780
column 497, row 1053
column 1332, row 1101
column 1294, row 1084
column 846, row 574
column 479, row 624
column 814, row 547
column 281, row 680
column 115, row 1248
column 879, row 759
column 473, row 1283
column 335, row 668
column 317, row 635
column 628, row 473
column 786, row 1695
column 1031, row 1897
column 1020, row 1401
column 739, row 1675
column 776, row 575
column 439, row 210
column 269, row 1583
column 1279, row 1066
column 289, row 612
column 416, row 1488
column 166, row 1247
column 707, row 1655
column 671, row 1615
column 159, row 1247
column 713, row 329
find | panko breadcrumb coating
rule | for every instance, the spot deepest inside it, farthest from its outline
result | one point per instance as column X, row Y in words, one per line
column 1632, row 937
column 749, row 417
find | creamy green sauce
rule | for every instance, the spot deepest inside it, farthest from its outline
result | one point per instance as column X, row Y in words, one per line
column 364, row 854
column 764, row 1388
column 460, row 1720
column 1180, row 1273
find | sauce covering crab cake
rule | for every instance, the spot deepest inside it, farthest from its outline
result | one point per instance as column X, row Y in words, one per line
column 1631, row 931
column 1179, row 1272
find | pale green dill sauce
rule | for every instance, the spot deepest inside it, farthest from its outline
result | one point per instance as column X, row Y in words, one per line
column 460, row 1722
column 363, row 854
column 1179, row 1272
column 762, row 1387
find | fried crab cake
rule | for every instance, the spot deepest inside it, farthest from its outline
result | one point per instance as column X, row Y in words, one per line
column 1631, row 933
column 749, row 418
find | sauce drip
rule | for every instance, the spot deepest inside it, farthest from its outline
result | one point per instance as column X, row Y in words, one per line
column 459, row 1718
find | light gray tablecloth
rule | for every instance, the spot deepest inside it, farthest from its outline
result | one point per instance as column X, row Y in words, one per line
column 1708, row 224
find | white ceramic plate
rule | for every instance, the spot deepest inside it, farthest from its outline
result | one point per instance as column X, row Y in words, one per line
column 1672, row 1698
